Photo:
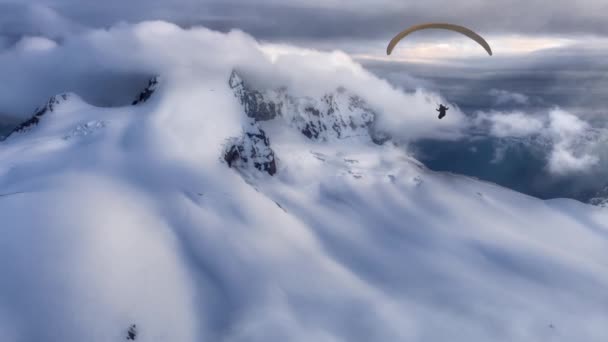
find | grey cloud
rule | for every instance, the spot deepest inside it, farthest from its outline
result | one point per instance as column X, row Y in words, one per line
column 297, row 19
column 17, row 20
column 504, row 97
column 574, row 78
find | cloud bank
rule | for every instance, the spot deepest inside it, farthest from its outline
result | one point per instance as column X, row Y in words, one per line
column 573, row 145
column 331, row 20
column 45, row 53
column 108, row 67
column 506, row 97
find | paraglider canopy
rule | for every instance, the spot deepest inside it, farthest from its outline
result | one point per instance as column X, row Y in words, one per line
column 456, row 28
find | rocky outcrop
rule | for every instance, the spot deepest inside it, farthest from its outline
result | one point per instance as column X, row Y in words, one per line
column 336, row 115
column 145, row 95
column 132, row 333
column 255, row 104
column 252, row 150
column 49, row 107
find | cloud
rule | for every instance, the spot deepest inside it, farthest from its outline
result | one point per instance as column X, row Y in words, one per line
column 18, row 19
column 573, row 78
column 517, row 124
column 571, row 144
column 92, row 258
column 506, row 97
column 324, row 19
column 562, row 161
column 108, row 67
column 32, row 44
column 4, row 43
column 572, row 151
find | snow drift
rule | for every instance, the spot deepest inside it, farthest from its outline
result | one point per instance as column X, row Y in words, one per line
column 127, row 221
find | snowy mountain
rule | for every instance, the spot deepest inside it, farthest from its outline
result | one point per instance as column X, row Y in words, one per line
column 129, row 224
column 336, row 115
column 49, row 107
column 332, row 117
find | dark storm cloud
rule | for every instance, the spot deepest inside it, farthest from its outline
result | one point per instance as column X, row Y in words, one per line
column 377, row 19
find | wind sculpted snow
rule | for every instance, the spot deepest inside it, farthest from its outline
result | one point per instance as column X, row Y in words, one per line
column 140, row 222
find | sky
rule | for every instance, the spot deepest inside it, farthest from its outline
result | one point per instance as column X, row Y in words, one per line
column 525, row 24
column 536, row 41
column 550, row 61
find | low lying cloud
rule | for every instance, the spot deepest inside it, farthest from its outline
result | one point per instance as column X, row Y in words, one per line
column 573, row 146
column 506, row 97
column 108, row 67
column 516, row 124
column 33, row 19
column 32, row 44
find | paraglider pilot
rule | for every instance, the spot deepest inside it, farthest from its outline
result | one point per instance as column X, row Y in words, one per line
column 442, row 110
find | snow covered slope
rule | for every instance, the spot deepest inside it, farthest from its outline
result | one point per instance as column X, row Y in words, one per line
column 128, row 223
column 114, row 217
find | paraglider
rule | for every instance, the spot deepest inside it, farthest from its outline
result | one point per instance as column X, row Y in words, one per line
column 442, row 111
column 456, row 28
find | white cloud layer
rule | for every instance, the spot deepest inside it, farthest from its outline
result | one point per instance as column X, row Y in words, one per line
column 572, row 152
column 516, row 124
column 108, row 67
column 573, row 145
column 507, row 97
column 33, row 44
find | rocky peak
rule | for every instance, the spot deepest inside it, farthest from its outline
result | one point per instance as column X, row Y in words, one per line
column 251, row 150
column 255, row 103
column 49, row 107
column 336, row 115
column 153, row 84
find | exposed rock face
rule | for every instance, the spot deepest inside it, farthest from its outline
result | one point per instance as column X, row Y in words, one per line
column 254, row 103
column 85, row 129
column 336, row 115
column 251, row 150
column 39, row 113
column 132, row 333
column 147, row 93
